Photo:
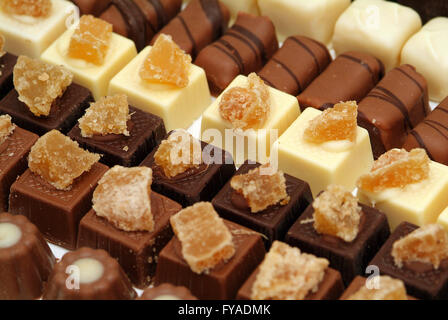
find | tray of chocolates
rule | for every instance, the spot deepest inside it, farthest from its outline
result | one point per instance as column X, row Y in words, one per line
column 223, row 150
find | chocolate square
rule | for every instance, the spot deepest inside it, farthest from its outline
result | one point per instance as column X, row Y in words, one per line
column 224, row 280
column 7, row 63
column 350, row 258
column 355, row 285
column 13, row 161
column 275, row 220
column 136, row 251
column 421, row 279
column 330, row 287
column 55, row 212
column 194, row 185
column 64, row 111
column 145, row 132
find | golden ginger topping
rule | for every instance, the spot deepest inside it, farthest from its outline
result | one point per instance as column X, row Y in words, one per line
column 59, row 160
column 261, row 190
column 389, row 289
column 426, row 244
column 166, row 63
column 205, row 239
column 337, row 213
column 180, row 152
column 91, row 40
column 334, row 124
column 396, row 169
column 32, row 8
column 109, row 115
column 39, row 84
column 2, row 45
column 123, row 197
column 6, row 127
column 246, row 107
column 288, row 274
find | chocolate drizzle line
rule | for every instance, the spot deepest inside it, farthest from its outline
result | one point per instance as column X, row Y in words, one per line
column 253, row 38
column 433, row 124
column 230, row 33
column 362, row 63
column 324, row 48
column 268, row 82
column 289, row 72
column 421, row 143
column 160, row 12
column 229, row 55
column 311, row 53
column 131, row 13
column 213, row 12
column 393, row 99
column 235, row 53
column 441, row 109
column 419, row 86
column 190, row 36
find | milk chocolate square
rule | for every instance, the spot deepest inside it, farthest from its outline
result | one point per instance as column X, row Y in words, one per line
column 7, row 63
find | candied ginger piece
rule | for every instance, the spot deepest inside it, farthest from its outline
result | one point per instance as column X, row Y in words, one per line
column 389, row 289
column 33, row 8
column 396, row 169
column 337, row 213
column 246, row 107
column 333, row 124
column 261, row 190
column 39, row 84
column 180, row 152
column 288, row 274
column 123, row 197
column 426, row 244
column 166, row 63
column 6, row 127
column 2, row 45
column 91, row 40
column 59, row 160
column 205, row 239
column 109, row 115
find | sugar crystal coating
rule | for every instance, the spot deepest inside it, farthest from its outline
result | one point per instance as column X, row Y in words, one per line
column 2, row 45
column 396, row 169
column 337, row 213
column 389, row 289
column 33, row 8
column 166, row 63
column 337, row 123
column 109, row 115
column 428, row 244
column 39, row 83
column 246, row 107
column 123, row 197
column 6, row 127
column 288, row 274
column 261, row 190
column 59, row 160
column 178, row 153
column 205, row 239
column 91, row 40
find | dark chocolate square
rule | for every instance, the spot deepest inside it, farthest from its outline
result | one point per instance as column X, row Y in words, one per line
column 55, row 212
column 221, row 282
column 136, row 251
column 350, row 258
column 145, row 132
column 422, row 280
column 7, row 63
column 275, row 220
column 64, row 113
column 193, row 185
column 13, row 161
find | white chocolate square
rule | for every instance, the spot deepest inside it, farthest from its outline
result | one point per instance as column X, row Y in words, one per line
column 284, row 109
column 419, row 203
column 178, row 107
column 427, row 50
column 378, row 27
column 30, row 36
column 94, row 77
column 323, row 164
column 443, row 219
column 312, row 18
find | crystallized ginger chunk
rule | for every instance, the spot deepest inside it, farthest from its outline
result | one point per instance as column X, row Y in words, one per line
column 246, row 107
column 337, row 213
column 261, row 190
column 334, row 124
column 2, row 45
column 109, row 115
column 91, row 40
column 166, row 63
column 39, row 83
column 123, row 197
column 33, row 8
column 426, row 244
column 389, row 289
column 396, row 169
column 59, row 160
column 180, row 152
column 288, row 274
column 6, row 127
column 205, row 239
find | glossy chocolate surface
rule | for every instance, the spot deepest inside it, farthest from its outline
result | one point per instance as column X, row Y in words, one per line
column 7, row 63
